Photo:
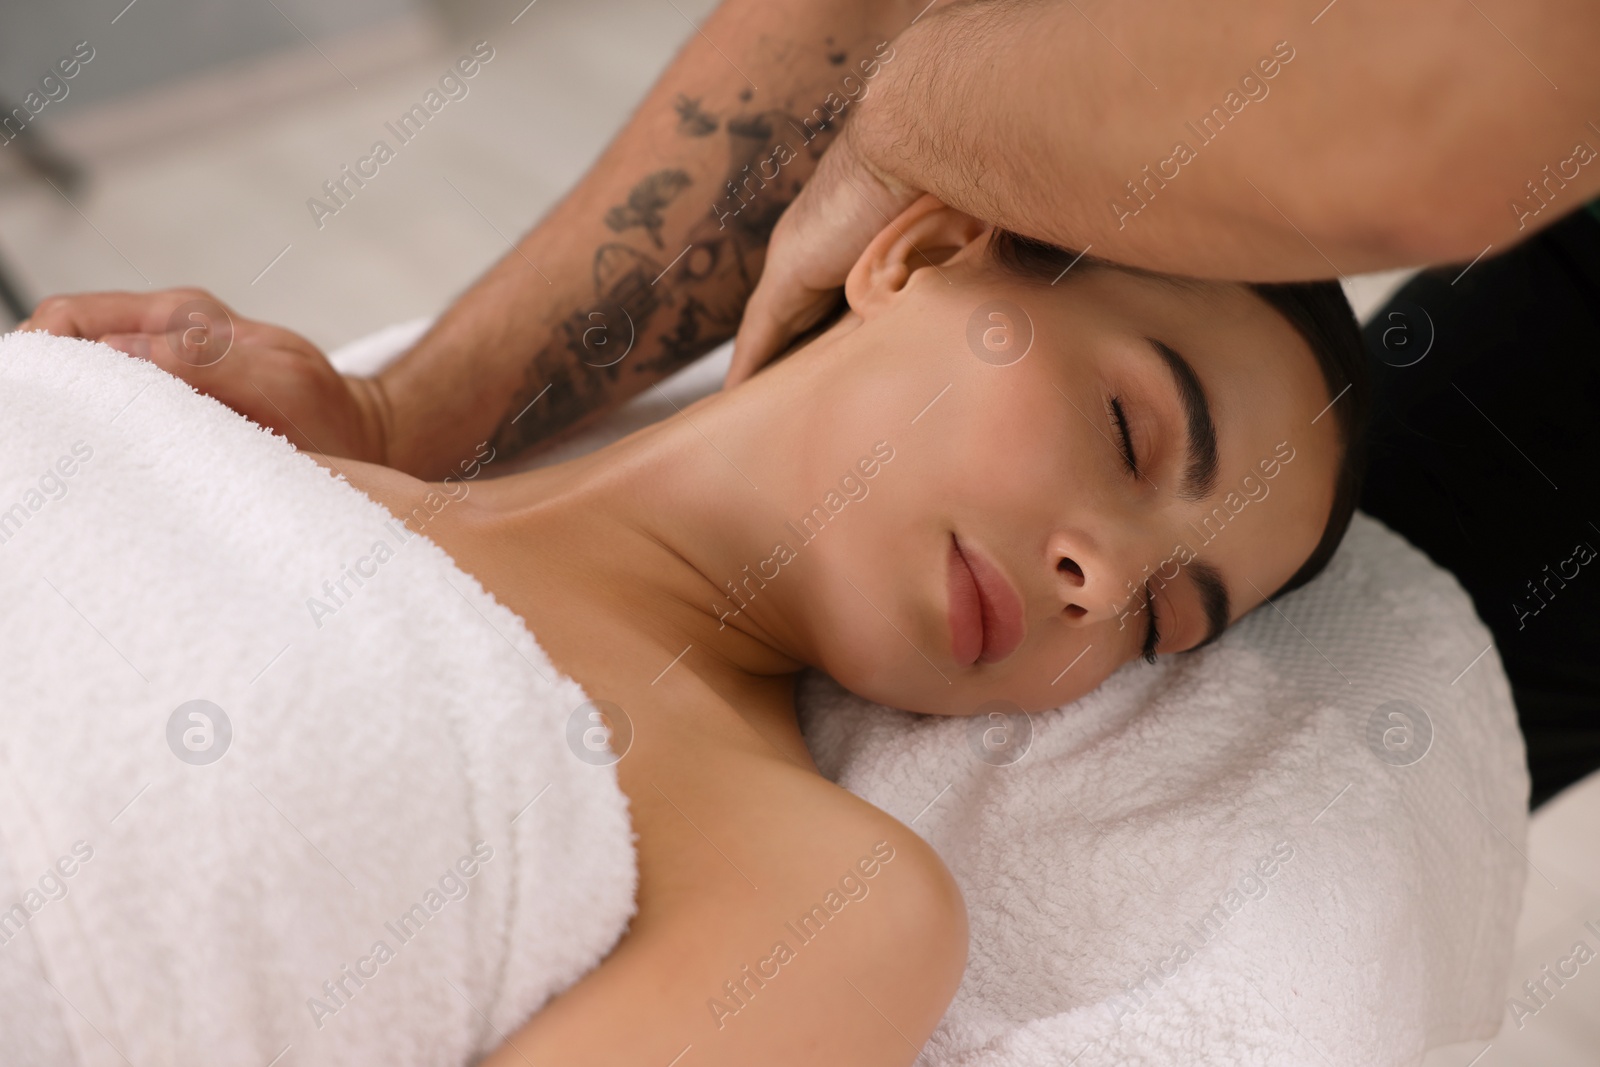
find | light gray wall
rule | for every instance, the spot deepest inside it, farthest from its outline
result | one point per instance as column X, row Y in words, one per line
column 157, row 41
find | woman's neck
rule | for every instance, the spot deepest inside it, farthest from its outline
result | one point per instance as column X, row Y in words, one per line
column 658, row 532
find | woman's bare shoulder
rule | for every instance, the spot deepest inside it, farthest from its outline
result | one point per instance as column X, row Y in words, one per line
column 829, row 832
column 819, row 929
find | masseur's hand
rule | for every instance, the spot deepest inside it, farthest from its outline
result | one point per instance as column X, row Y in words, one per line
column 816, row 242
column 266, row 373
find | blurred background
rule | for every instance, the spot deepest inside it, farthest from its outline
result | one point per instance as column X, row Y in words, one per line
column 185, row 148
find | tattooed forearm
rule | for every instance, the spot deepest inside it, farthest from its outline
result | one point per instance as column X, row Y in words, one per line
column 580, row 364
column 653, row 312
column 646, row 264
column 663, row 314
column 693, row 120
column 646, row 201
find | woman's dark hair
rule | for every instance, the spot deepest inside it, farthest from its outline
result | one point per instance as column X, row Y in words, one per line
column 1320, row 314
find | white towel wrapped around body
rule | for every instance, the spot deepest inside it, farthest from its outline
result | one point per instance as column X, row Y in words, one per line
column 381, row 850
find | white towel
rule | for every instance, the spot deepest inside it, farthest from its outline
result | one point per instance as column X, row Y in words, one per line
column 1222, row 858
column 1097, row 869
column 394, row 766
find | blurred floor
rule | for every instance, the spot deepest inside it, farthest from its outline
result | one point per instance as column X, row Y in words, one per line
column 205, row 184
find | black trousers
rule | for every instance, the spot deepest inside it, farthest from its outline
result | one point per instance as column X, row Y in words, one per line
column 1485, row 454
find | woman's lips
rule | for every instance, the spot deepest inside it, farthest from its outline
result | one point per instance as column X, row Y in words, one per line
column 985, row 612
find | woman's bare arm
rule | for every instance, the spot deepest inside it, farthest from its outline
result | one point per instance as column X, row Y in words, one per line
column 700, row 980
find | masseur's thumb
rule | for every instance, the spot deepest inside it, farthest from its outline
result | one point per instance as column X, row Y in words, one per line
column 814, row 245
column 779, row 310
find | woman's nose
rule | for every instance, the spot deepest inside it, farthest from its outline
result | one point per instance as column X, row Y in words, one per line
column 1070, row 580
column 1091, row 582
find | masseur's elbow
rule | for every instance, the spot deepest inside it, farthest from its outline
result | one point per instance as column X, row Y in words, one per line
column 1408, row 193
column 1450, row 219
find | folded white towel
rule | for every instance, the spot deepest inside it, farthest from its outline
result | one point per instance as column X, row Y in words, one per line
column 389, row 765
column 1302, row 845
column 1230, row 857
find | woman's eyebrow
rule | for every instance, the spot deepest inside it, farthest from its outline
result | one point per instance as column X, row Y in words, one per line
column 1214, row 599
column 1200, row 474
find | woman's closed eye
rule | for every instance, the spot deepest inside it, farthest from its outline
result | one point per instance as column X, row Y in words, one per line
column 1152, row 632
column 1119, row 418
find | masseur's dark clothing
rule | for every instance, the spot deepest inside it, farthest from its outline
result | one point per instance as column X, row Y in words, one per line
column 1486, row 455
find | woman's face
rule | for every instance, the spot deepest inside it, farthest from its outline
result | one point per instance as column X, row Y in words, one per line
column 1006, row 548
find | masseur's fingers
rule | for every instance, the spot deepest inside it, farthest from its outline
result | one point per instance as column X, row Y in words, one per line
column 270, row 375
column 816, row 242
column 93, row 315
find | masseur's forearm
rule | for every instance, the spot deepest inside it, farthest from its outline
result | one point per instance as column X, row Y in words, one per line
column 653, row 249
column 1388, row 134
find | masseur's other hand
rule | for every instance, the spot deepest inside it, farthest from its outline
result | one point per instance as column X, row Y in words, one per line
column 816, row 242
column 266, row 373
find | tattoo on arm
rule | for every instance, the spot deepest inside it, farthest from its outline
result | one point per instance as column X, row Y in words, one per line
column 646, row 201
column 693, row 120
column 702, row 287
